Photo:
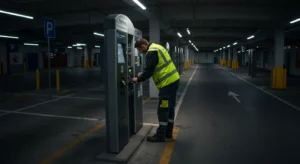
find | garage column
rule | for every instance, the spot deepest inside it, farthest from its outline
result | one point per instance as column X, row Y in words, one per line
column 229, row 58
column 278, row 75
column 86, row 57
column 224, row 58
column 186, row 56
column 154, row 36
column 235, row 64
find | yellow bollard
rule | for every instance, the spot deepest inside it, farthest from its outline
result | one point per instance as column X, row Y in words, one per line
column 38, row 79
column 57, row 81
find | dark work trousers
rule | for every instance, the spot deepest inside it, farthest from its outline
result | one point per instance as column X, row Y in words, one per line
column 166, row 109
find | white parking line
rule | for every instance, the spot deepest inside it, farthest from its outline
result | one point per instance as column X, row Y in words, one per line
column 35, row 105
column 50, row 115
column 259, row 88
column 83, row 98
column 150, row 124
column 183, row 94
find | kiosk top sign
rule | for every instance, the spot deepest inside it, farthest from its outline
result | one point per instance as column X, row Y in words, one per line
column 119, row 22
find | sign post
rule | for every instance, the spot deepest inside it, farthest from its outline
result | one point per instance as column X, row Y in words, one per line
column 49, row 32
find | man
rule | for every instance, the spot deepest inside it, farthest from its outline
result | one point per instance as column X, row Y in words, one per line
column 166, row 78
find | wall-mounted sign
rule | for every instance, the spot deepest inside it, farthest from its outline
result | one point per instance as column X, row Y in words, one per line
column 16, row 58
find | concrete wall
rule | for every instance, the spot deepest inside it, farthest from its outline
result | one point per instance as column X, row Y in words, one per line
column 204, row 57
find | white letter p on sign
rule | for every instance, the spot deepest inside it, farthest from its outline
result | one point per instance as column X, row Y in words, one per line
column 49, row 27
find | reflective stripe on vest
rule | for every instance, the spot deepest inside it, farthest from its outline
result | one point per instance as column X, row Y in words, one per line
column 165, row 77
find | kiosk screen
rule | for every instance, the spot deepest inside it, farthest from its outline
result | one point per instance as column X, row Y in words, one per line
column 121, row 58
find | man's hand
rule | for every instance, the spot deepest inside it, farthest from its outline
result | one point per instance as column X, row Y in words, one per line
column 139, row 74
column 134, row 80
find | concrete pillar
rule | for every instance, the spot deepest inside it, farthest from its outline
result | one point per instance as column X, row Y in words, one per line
column 279, row 71
column 3, row 58
column 229, row 59
column 86, row 57
column 154, row 35
column 187, row 63
column 90, row 59
column 235, row 64
column 224, row 58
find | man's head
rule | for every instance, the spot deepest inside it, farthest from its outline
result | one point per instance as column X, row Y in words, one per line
column 142, row 45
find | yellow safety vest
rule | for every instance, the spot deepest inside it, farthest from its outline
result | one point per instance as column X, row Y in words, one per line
column 165, row 71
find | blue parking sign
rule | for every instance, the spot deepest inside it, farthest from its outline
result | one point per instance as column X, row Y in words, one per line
column 49, row 28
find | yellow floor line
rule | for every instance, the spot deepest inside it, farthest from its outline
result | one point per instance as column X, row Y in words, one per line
column 167, row 154
column 146, row 100
column 75, row 142
column 71, row 145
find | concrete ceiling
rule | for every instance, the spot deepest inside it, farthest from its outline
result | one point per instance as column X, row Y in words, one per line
column 213, row 23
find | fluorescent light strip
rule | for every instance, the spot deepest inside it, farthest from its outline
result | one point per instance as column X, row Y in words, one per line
column 69, row 46
column 228, row 46
column 31, row 44
column 78, row 44
column 139, row 4
column 15, row 14
column 97, row 46
column 224, row 47
column 190, row 41
column 178, row 33
column 10, row 37
column 294, row 21
column 250, row 37
column 99, row 34
column 235, row 43
column 220, row 49
column 79, row 48
column 188, row 31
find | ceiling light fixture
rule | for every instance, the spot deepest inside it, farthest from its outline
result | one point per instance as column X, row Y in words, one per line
column 99, row 34
column 79, row 48
column 220, row 49
column 178, row 33
column 190, row 41
column 69, row 46
column 250, row 37
column 96, row 46
column 139, row 4
column 30, row 44
column 228, row 46
column 16, row 14
column 235, row 43
column 188, row 31
column 294, row 21
column 79, row 44
column 10, row 37
column 224, row 47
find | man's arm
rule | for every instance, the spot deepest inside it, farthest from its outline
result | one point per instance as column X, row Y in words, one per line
column 151, row 62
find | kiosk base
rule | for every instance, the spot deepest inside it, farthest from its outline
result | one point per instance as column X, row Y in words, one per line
column 129, row 149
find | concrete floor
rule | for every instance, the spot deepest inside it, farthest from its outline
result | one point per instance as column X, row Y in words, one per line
column 36, row 128
column 213, row 127
column 216, row 128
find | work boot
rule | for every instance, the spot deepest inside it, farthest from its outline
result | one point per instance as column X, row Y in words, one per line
column 169, row 135
column 156, row 138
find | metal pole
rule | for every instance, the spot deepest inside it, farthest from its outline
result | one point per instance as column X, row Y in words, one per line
column 49, row 67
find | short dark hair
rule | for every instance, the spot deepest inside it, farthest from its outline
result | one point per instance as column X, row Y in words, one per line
column 140, row 42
